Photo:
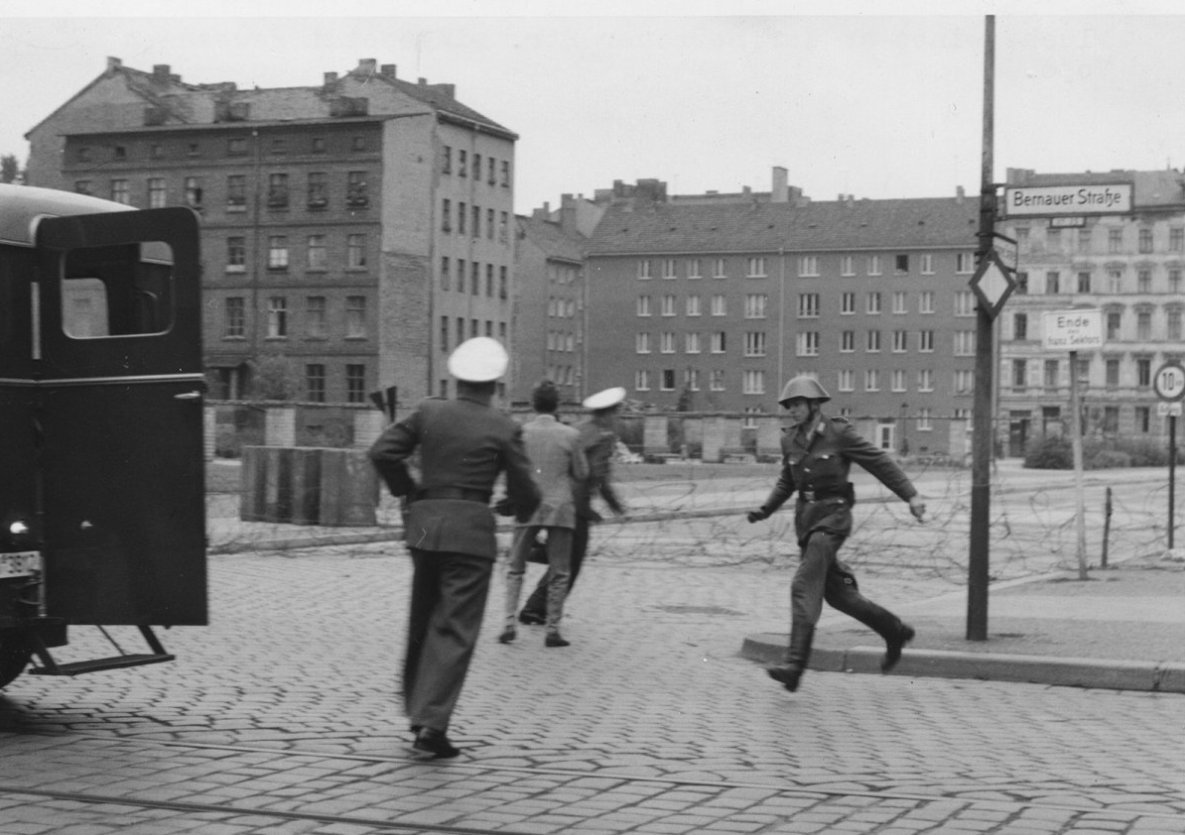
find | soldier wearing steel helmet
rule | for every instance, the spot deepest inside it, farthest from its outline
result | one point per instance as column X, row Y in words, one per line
column 464, row 444
column 817, row 453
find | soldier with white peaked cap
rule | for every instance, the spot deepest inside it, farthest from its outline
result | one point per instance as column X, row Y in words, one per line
column 598, row 439
column 817, row 452
column 464, row 445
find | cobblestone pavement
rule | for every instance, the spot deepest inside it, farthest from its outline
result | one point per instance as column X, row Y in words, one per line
column 282, row 716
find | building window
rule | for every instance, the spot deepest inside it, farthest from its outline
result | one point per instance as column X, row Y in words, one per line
column 446, row 215
column 355, row 317
column 462, row 214
column 691, row 343
column 1020, row 326
column 847, row 342
column 355, row 383
column 808, row 344
column 1145, row 241
column 964, row 343
column 236, row 146
column 1019, row 374
column 236, row 254
column 926, row 380
column 873, row 304
column 1177, row 239
column 642, row 380
column 666, row 343
column 668, row 268
column 643, row 306
column 897, row 381
column 446, row 160
column 504, row 285
column 846, row 380
column 755, row 344
column 872, row 379
column 719, row 342
column 1114, row 281
column 356, row 251
column 156, row 192
column 503, row 227
column 644, row 269
column 719, row 268
column 1114, row 320
column 82, row 186
column 964, row 303
column 1143, row 325
column 277, row 191
column 847, row 304
column 926, row 341
column 691, row 379
column 716, row 379
column 693, row 306
column 505, row 168
column 1144, row 372
column 1083, row 282
column 236, row 317
column 1084, row 236
column 900, row 302
column 1114, row 240
column 926, row 301
column 872, row 342
column 668, row 305
column 314, row 382
column 277, row 317
column 490, row 214
column 1111, row 370
column 315, row 318
column 1173, row 321
column 808, row 266
column 964, row 262
column 316, row 258
column 755, row 305
column 642, row 343
column 873, row 264
column 193, row 193
column 1052, row 371
column 1022, row 283
column 719, row 306
column 1052, row 283
column 120, row 193
column 476, row 232
column 236, row 193
column 964, row 382
column 901, row 264
column 668, row 379
column 927, row 264
column 808, row 305
column 317, row 146
column 474, row 279
column 900, row 342
column 277, row 252
column 476, row 167
column 446, row 279
column 693, row 268
column 1144, row 281
column 753, row 382
column 318, row 190
column 846, row 265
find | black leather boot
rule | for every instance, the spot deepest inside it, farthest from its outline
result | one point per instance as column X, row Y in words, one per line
column 798, row 655
column 895, row 640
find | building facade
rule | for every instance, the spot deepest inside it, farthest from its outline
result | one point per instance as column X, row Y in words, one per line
column 353, row 232
column 710, row 303
column 1128, row 267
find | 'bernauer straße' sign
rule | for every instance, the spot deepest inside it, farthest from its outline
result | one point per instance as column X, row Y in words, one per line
column 1052, row 201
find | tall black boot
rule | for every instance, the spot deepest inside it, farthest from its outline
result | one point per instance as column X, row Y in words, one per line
column 896, row 638
column 798, row 655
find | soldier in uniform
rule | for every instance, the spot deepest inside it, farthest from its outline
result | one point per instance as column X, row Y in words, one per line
column 464, row 444
column 817, row 452
column 599, row 441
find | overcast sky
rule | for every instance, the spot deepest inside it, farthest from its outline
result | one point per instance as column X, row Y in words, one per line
column 703, row 94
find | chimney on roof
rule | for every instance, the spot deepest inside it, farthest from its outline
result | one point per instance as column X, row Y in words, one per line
column 781, row 188
column 113, row 63
column 366, row 66
column 568, row 214
column 388, row 71
column 330, row 79
column 422, row 81
column 160, row 73
column 960, row 195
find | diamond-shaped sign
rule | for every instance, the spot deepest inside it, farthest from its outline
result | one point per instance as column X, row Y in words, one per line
column 992, row 283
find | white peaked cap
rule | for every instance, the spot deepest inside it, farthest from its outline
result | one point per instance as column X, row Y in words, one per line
column 605, row 399
column 479, row 360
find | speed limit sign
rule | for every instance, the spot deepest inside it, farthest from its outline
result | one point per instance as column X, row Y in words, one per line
column 1169, row 381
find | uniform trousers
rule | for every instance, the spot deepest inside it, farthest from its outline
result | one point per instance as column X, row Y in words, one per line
column 821, row 576
column 448, row 600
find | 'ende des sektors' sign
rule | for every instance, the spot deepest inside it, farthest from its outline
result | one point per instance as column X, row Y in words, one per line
column 1052, row 201
column 1071, row 330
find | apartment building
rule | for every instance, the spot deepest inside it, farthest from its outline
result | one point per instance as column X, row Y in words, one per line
column 711, row 302
column 1129, row 267
column 353, row 231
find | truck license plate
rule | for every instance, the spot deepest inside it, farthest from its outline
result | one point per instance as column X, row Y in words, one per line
column 20, row 564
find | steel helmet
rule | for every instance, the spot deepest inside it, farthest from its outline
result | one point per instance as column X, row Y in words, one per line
column 807, row 387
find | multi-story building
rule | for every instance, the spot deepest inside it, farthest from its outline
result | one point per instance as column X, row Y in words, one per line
column 353, row 232
column 710, row 303
column 1128, row 267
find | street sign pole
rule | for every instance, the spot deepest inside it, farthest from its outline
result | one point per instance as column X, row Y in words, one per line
column 982, row 435
column 1076, row 446
column 1169, row 384
column 1172, row 475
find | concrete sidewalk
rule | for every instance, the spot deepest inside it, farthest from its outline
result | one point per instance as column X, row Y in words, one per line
column 1122, row 628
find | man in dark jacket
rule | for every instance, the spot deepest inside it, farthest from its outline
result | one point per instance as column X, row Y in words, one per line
column 464, row 444
column 598, row 439
column 817, row 452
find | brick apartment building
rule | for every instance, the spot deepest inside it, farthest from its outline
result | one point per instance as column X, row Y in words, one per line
column 711, row 302
column 1129, row 267
column 353, row 231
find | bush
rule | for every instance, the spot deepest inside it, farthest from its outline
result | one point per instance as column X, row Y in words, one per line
column 1108, row 459
column 1050, row 453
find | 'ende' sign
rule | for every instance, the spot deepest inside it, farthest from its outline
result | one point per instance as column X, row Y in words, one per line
column 1099, row 199
column 1072, row 330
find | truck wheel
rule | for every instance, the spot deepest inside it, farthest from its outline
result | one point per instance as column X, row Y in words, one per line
column 14, row 656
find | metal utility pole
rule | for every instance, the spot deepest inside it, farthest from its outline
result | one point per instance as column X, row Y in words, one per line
column 982, row 434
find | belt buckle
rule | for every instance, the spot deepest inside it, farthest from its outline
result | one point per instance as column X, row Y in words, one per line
column 808, row 495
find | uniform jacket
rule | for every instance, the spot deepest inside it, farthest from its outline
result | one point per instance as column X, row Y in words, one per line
column 463, row 444
column 558, row 464
column 599, row 445
column 816, row 458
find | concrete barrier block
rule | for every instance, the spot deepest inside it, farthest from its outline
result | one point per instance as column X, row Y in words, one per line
column 1171, row 677
column 349, row 488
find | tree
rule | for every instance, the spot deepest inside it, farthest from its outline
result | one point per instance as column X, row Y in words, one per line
column 276, row 377
column 10, row 169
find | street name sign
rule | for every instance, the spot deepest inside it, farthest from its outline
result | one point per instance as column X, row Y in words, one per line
column 1072, row 330
column 1073, row 200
